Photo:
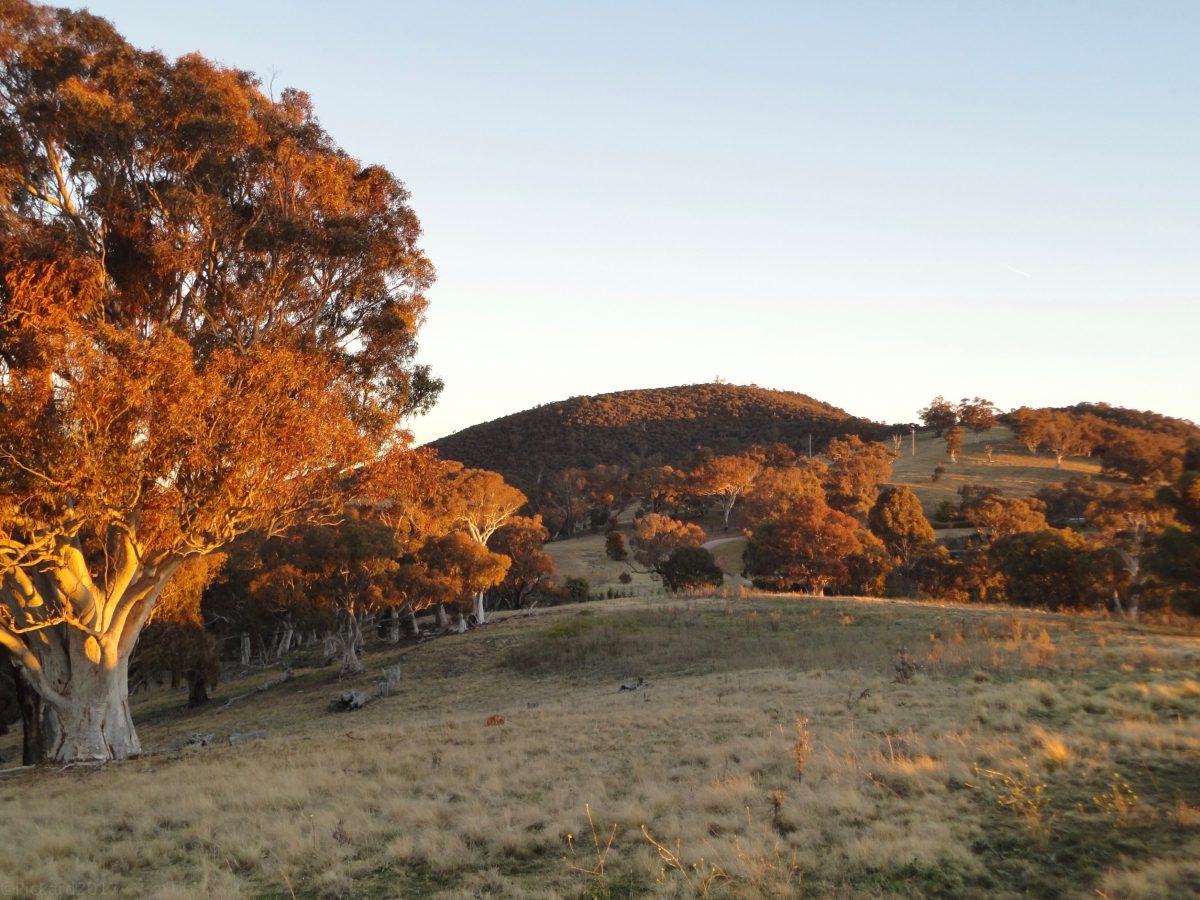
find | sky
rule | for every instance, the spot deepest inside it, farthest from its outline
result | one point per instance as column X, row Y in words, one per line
column 868, row 202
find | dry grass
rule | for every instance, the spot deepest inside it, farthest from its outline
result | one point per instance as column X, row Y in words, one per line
column 729, row 556
column 417, row 796
column 1013, row 469
column 584, row 557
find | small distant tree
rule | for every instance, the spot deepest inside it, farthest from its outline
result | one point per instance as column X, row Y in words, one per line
column 1066, row 502
column 1053, row 568
column 1128, row 523
column 777, row 488
column 954, row 442
column 690, row 567
column 577, row 590
column 482, row 503
column 659, row 489
column 564, row 499
column 521, row 540
column 1144, row 457
column 656, row 537
column 979, row 415
column 614, row 546
column 608, row 492
column 808, row 546
column 726, row 478
column 899, row 521
column 460, row 569
column 939, row 415
column 1063, row 435
column 995, row 518
column 1027, row 427
column 857, row 469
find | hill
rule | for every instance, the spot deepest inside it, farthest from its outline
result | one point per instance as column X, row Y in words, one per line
column 654, row 426
column 771, row 736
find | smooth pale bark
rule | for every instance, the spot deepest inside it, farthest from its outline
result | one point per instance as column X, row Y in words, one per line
column 351, row 639
column 285, row 641
column 87, row 715
column 414, row 629
column 443, row 617
column 92, row 722
column 80, row 668
column 461, row 625
column 479, row 611
column 727, row 501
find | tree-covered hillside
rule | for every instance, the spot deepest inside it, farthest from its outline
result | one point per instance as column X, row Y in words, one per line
column 652, row 426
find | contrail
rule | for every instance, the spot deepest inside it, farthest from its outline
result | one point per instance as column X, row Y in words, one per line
column 1018, row 271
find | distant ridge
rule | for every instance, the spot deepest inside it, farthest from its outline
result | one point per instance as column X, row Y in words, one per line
column 653, row 426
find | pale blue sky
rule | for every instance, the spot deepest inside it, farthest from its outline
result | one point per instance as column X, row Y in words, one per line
column 871, row 203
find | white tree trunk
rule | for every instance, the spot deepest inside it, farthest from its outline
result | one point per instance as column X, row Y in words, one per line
column 443, row 617
column 727, row 508
column 479, row 612
column 93, row 721
column 285, row 642
column 351, row 638
column 245, row 649
column 351, row 662
column 413, row 628
column 331, row 649
column 461, row 625
column 393, row 634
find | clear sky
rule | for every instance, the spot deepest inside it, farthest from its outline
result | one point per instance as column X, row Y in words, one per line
column 868, row 202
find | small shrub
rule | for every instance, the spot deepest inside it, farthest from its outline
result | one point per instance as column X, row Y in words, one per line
column 905, row 666
column 947, row 510
column 625, row 578
column 938, row 472
column 1023, row 793
column 1118, row 801
column 577, row 589
column 614, row 547
column 802, row 749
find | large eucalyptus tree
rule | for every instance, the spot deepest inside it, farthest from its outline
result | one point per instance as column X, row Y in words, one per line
column 208, row 314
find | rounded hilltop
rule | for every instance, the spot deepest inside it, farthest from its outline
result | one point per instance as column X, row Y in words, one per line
column 649, row 426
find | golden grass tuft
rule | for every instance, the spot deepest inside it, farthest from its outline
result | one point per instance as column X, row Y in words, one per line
column 1055, row 752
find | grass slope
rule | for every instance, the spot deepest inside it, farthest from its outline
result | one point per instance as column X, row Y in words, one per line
column 1013, row 469
column 778, row 750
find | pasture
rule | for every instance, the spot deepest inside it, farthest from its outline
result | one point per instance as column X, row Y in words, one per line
column 778, row 746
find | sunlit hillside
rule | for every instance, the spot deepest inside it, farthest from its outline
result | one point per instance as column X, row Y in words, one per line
column 655, row 426
column 1012, row 468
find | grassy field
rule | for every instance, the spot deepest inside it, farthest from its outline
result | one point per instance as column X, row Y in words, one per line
column 1013, row 469
column 781, row 746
